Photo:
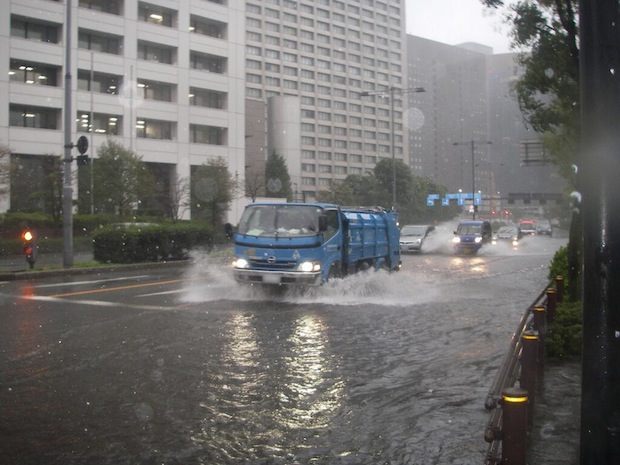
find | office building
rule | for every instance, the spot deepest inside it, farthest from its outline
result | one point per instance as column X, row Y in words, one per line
column 164, row 79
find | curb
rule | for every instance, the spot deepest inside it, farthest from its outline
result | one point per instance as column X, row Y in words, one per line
column 32, row 275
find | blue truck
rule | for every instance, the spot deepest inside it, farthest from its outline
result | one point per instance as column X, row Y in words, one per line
column 306, row 244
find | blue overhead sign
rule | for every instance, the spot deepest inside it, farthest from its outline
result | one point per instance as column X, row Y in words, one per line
column 460, row 198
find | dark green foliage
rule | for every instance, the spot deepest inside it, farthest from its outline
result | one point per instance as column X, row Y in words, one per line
column 564, row 336
column 375, row 189
column 121, row 180
column 212, row 189
column 559, row 266
column 149, row 243
column 277, row 177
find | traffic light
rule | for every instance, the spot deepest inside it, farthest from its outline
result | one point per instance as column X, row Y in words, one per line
column 30, row 247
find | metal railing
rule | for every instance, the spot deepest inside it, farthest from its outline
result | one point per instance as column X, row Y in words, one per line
column 531, row 325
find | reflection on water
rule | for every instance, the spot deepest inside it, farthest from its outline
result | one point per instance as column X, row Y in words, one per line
column 270, row 392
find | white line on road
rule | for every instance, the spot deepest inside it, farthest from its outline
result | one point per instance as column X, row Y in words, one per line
column 97, row 303
column 94, row 281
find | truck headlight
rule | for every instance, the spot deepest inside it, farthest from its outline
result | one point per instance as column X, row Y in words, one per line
column 478, row 240
column 456, row 239
column 309, row 266
column 241, row 263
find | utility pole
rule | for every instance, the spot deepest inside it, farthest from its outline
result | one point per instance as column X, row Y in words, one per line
column 472, row 143
column 599, row 169
column 67, row 191
column 391, row 91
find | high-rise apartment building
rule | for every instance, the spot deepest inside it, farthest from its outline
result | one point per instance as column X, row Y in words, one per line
column 163, row 78
column 330, row 66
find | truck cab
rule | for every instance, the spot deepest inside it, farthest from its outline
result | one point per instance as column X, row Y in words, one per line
column 307, row 244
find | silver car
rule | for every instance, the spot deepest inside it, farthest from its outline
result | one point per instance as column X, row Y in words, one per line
column 412, row 237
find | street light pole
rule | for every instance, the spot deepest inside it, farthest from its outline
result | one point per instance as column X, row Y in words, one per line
column 473, row 171
column 391, row 91
column 67, row 191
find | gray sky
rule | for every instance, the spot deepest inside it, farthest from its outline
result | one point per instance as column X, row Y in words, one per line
column 455, row 21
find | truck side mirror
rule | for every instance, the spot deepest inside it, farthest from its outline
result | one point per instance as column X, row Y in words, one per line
column 322, row 222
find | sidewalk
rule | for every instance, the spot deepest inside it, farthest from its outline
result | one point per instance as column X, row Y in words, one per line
column 18, row 263
column 15, row 268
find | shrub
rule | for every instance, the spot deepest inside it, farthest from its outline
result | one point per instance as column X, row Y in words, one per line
column 559, row 265
column 149, row 243
column 564, row 336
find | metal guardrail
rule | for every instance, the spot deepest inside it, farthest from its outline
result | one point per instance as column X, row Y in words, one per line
column 510, row 369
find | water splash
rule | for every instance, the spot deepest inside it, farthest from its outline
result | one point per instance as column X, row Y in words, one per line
column 211, row 281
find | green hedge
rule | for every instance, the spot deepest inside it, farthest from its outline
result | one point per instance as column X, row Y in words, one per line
column 149, row 243
column 564, row 335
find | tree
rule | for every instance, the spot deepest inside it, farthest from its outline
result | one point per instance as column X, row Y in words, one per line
column 375, row 189
column 355, row 189
column 277, row 178
column 254, row 185
column 121, row 180
column 548, row 89
column 179, row 195
column 212, row 189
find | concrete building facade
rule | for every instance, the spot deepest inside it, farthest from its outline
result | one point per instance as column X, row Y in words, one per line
column 328, row 54
column 163, row 78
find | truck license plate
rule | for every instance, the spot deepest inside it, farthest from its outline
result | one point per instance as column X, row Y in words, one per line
column 271, row 279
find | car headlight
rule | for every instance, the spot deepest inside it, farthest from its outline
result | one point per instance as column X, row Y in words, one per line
column 478, row 240
column 515, row 242
column 241, row 263
column 309, row 266
column 456, row 240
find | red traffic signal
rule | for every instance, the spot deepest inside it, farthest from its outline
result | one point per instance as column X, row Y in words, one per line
column 28, row 239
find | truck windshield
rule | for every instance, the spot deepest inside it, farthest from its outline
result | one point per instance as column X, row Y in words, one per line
column 280, row 220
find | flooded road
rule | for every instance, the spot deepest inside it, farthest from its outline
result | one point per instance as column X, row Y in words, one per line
column 374, row 369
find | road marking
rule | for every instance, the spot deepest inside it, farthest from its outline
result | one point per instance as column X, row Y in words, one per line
column 97, row 303
column 94, row 281
column 118, row 288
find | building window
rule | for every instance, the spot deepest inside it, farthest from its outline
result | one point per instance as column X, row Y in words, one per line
column 156, row 15
column 207, row 62
column 208, row 27
column 101, row 82
column 34, row 73
column 98, row 42
column 105, row 6
column 275, row 68
column 211, row 135
column 25, row 116
column 207, row 98
column 155, row 53
column 155, row 129
column 102, row 123
column 153, row 90
column 34, row 30
column 254, row 93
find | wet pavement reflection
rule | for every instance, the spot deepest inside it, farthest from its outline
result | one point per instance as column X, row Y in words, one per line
column 372, row 369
